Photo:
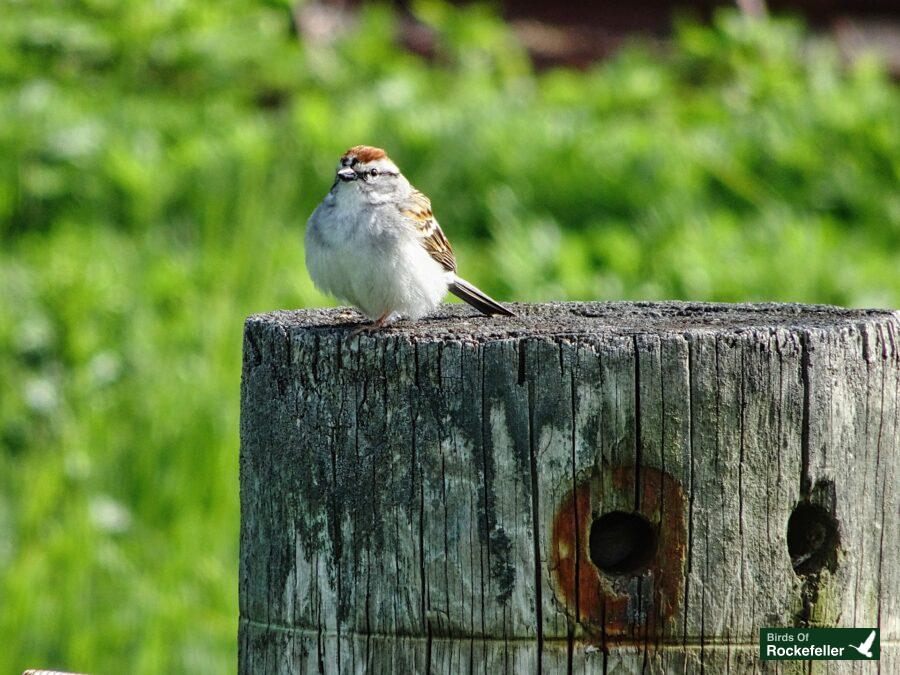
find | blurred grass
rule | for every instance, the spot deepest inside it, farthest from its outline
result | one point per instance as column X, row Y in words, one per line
column 158, row 161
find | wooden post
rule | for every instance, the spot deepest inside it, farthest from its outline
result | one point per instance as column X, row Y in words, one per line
column 591, row 487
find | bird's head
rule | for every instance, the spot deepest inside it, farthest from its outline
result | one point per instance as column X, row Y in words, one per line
column 369, row 170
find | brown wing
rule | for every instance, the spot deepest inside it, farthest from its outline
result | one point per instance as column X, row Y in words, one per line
column 417, row 208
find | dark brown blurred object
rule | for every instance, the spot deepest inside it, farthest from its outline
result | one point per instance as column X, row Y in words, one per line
column 753, row 7
column 858, row 37
column 580, row 34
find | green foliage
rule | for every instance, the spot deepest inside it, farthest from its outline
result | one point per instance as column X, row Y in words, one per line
column 157, row 163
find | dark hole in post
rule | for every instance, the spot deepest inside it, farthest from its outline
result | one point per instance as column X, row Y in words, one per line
column 812, row 539
column 622, row 543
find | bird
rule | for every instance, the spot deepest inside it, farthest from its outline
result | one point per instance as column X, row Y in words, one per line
column 865, row 648
column 374, row 242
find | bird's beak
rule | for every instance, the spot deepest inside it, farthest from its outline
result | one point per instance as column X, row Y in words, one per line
column 347, row 174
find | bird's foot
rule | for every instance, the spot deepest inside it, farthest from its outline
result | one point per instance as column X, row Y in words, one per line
column 384, row 320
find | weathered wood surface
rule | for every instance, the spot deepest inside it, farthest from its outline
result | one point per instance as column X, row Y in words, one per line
column 422, row 498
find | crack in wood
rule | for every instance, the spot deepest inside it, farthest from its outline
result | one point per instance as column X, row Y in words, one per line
column 535, row 524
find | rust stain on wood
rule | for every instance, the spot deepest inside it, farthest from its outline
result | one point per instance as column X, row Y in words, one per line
column 637, row 606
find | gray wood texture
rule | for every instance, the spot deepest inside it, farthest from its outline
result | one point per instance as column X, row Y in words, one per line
column 428, row 498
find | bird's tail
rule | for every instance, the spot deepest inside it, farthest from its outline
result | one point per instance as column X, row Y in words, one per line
column 481, row 301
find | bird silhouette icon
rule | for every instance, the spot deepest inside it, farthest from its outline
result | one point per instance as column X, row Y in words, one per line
column 865, row 648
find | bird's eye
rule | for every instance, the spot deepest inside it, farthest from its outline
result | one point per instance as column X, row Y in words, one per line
column 373, row 172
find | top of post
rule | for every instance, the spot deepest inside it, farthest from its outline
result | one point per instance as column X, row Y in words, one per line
column 583, row 319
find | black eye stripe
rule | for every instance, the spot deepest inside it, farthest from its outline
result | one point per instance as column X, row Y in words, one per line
column 364, row 174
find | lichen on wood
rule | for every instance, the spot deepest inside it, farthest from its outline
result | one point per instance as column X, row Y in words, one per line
column 431, row 496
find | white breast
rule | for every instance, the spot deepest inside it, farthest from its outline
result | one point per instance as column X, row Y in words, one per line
column 366, row 255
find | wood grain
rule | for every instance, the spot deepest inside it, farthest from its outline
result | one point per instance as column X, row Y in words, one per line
column 425, row 498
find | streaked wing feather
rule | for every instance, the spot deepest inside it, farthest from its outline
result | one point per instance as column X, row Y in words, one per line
column 417, row 208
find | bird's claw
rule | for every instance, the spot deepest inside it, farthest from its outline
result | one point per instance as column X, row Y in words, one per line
column 378, row 324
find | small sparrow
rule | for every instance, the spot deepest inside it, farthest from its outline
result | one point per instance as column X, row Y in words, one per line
column 374, row 242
